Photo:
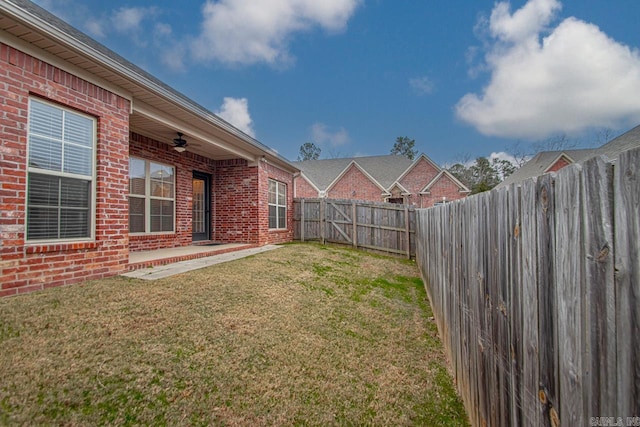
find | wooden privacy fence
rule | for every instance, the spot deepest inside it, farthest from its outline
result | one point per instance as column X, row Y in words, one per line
column 536, row 292
column 385, row 227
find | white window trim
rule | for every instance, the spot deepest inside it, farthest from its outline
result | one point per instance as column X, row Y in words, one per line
column 147, row 198
column 277, row 205
column 92, row 207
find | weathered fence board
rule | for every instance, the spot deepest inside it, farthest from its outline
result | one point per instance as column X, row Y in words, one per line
column 383, row 227
column 627, row 265
column 568, row 277
column 599, row 292
column 535, row 290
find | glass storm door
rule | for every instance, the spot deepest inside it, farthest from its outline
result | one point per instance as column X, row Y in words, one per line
column 200, row 213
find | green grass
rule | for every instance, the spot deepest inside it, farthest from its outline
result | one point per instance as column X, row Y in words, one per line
column 304, row 335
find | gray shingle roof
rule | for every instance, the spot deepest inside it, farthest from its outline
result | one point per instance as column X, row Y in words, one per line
column 622, row 143
column 384, row 169
column 543, row 160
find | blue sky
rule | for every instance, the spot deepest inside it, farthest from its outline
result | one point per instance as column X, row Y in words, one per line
column 464, row 78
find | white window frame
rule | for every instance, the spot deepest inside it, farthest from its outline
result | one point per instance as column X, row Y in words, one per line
column 148, row 198
column 61, row 174
column 278, row 205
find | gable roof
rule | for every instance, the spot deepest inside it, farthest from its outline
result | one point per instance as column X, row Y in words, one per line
column 445, row 173
column 542, row 161
column 351, row 165
column 384, row 170
column 415, row 163
column 157, row 110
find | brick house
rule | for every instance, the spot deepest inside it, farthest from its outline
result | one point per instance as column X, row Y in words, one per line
column 390, row 178
column 92, row 166
column 553, row 161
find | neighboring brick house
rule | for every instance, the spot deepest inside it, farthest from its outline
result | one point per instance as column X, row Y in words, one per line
column 90, row 170
column 552, row 161
column 390, row 178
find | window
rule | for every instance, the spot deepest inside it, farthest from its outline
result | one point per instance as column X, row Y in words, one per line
column 277, row 204
column 151, row 197
column 60, row 178
column 396, row 200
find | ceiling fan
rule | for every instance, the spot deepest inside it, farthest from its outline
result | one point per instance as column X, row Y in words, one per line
column 179, row 144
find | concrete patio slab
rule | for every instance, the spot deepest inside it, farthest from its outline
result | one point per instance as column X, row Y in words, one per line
column 168, row 270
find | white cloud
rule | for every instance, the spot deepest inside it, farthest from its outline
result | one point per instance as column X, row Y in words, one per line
column 137, row 23
column 322, row 135
column 501, row 155
column 129, row 19
column 574, row 78
column 422, row 85
column 236, row 112
column 95, row 27
column 249, row 31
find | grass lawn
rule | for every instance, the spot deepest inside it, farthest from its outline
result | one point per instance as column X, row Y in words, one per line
column 303, row 335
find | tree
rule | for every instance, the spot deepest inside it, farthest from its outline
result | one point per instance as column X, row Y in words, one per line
column 309, row 151
column 404, row 147
column 483, row 174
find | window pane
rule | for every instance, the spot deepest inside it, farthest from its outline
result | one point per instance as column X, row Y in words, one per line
column 167, row 223
column 282, row 194
column 136, row 176
column 45, row 120
column 78, row 129
column 161, row 180
column 282, row 218
column 136, row 215
column 45, row 153
column 272, row 192
column 44, row 190
column 161, row 215
column 42, row 223
column 273, row 221
column 78, row 160
column 75, row 193
column 74, row 223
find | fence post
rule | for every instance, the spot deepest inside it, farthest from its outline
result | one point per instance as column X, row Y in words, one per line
column 355, row 224
column 323, row 209
column 302, row 220
column 407, row 231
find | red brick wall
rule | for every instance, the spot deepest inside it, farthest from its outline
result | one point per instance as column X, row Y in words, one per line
column 303, row 189
column 355, row 185
column 419, row 176
column 443, row 187
column 559, row 164
column 29, row 267
column 236, row 202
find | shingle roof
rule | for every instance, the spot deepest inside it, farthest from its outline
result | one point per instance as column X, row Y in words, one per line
column 622, row 143
column 384, row 169
column 543, row 160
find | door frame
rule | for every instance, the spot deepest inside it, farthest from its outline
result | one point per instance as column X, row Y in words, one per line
column 206, row 235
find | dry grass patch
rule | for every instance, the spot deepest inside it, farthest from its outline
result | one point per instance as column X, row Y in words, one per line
column 304, row 335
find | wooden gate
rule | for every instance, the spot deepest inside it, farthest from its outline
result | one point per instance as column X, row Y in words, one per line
column 383, row 227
